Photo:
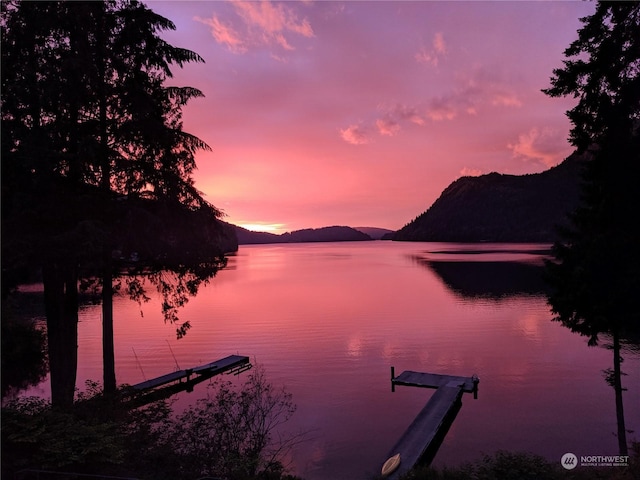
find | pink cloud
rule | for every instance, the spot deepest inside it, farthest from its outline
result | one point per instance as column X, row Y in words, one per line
column 355, row 135
column 387, row 126
column 272, row 19
column 431, row 56
column 258, row 24
column 391, row 122
column 411, row 114
column 506, row 100
column 224, row 34
column 545, row 145
column 444, row 108
column 470, row 94
column 470, row 172
column 438, row 44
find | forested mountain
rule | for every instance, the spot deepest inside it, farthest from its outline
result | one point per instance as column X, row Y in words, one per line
column 500, row 208
column 374, row 232
column 325, row 234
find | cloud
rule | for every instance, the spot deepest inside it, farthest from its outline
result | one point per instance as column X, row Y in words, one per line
column 355, row 135
column 431, row 56
column 506, row 99
column 259, row 24
column 391, row 121
column 546, row 146
column 387, row 126
column 470, row 94
column 439, row 45
column 411, row 114
column 443, row 108
column 224, row 34
column 470, row 172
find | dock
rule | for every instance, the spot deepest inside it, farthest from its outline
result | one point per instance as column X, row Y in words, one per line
column 232, row 363
column 183, row 380
column 420, row 442
column 409, row 378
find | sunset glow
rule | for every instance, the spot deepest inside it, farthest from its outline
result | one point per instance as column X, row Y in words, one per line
column 361, row 113
column 261, row 227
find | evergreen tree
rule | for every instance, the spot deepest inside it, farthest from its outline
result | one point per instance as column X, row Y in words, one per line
column 93, row 152
column 596, row 272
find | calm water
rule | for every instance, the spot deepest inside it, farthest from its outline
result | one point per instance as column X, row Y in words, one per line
column 329, row 320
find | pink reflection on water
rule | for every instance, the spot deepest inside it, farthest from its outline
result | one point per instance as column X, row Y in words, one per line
column 329, row 320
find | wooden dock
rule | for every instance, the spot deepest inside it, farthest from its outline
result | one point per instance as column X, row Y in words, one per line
column 181, row 380
column 433, row 380
column 232, row 364
column 420, row 442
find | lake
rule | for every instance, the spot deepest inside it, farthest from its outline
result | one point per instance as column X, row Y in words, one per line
column 328, row 320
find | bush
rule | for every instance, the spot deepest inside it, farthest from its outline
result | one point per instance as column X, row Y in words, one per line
column 230, row 434
column 504, row 465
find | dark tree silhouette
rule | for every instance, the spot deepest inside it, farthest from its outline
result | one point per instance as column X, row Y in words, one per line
column 93, row 152
column 596, row 272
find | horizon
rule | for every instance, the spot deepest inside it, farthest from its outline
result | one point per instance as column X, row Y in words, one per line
column 359, row 228
column 361, row 113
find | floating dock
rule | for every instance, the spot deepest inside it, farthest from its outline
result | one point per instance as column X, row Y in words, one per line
column 230, row 364
column 420, row 442
column 182, row 380
column 409, row 378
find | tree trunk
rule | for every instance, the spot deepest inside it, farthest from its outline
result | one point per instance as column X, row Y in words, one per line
column 617, row 385
column 108, row 355
column 61, row 307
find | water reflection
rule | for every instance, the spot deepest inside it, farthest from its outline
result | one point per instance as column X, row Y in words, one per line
column 490, row 270
column 328, row 320
column 488, row 279
column 24, row 361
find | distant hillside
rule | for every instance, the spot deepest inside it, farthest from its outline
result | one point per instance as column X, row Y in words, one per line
column 500, row 208
column 374, row 232
column 246, row 237
column 325, row 234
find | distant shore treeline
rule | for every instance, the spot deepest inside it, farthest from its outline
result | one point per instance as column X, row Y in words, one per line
column 325, row 234
column 488, row 208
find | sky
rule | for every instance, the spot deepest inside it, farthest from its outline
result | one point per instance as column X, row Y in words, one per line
column 361, row 113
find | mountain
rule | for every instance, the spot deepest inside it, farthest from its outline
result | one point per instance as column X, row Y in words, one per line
column 500, row 208
column 374, row 232
column 247, row 237
column 325, row 234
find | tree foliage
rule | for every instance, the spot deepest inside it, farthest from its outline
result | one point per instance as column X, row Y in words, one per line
column 596, row 272
column 596, row 275
column 96, row 167
column 36, row 436
column 235, row 433
column 89, row 128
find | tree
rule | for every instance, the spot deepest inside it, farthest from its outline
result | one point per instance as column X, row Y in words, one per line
column 596, row 272
column 93, row 150
column 41, row 207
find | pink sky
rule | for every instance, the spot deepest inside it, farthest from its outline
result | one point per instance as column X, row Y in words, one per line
column 360, row 113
